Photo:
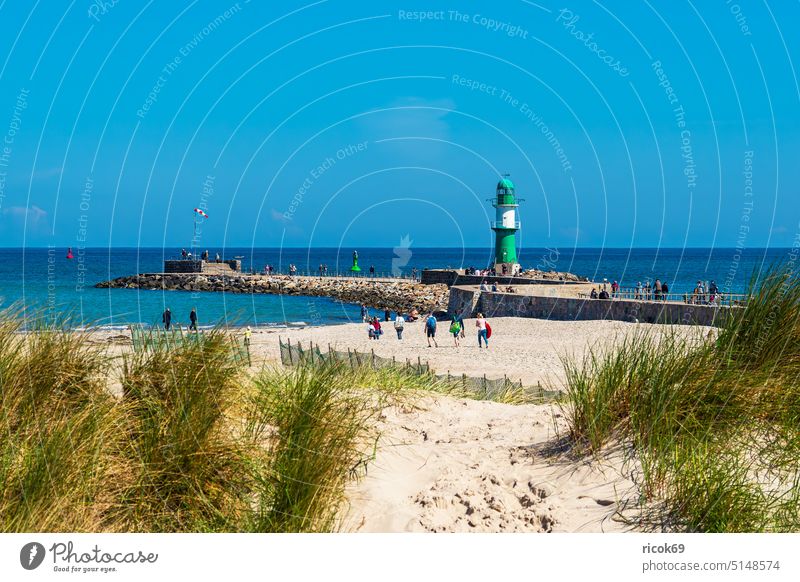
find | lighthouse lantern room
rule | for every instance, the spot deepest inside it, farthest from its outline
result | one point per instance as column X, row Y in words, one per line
column 505, row 227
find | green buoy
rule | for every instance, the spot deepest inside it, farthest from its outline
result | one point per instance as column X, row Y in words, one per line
column 355, row 268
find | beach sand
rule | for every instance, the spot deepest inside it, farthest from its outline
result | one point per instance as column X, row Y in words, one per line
column 520, row 348
column 453, row 465
column 446, row 464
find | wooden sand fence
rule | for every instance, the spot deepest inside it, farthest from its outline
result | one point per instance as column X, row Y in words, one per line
column 293, row 354
column 154, row 338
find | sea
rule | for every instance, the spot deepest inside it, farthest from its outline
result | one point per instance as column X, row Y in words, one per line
column 44, row 281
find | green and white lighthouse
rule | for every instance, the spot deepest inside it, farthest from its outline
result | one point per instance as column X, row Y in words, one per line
column 505, row 227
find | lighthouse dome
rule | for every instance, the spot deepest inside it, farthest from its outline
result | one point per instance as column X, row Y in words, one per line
column 505, row 186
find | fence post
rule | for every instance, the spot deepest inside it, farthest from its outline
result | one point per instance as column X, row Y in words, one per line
column 291, row 358
column 373, row 358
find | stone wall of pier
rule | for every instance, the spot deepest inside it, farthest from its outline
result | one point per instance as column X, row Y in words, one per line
column 379, row 294
column 468, row 302
column 199, row 266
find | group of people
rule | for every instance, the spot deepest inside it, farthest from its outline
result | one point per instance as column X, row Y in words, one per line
column 704, row 294
column 658, row 291
column 494, row 289
column 491, row 272
column 203, row 256
column 323, row 270
column 166, row 319
column 457, row 328
column 480, row 272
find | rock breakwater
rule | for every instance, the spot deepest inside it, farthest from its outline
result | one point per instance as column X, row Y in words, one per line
column 393, row 294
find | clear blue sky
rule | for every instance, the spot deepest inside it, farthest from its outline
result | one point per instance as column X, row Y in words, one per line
column 660, row 123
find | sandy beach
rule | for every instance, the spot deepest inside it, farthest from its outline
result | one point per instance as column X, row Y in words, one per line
column 522, row 349
column 451, row 465
column 447, row 464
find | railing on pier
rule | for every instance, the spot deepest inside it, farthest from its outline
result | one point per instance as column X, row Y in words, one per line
column 710, row 299
column 480, row 387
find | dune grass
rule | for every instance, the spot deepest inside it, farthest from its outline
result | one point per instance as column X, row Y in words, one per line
column 195, row 443
column 713, row 423
column 56, row 424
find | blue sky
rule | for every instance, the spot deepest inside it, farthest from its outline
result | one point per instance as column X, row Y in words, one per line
column 340, row 123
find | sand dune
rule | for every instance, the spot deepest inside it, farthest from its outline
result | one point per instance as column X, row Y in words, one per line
column 470, row 466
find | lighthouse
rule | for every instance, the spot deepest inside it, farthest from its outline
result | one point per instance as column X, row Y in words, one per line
column 505, row 227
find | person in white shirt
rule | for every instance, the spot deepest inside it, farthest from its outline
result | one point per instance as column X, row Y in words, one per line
column 399, row 323
column 480, row 323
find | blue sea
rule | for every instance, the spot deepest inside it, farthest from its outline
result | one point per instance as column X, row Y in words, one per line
column 44, row 280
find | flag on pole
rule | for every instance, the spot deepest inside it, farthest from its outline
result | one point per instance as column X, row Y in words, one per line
column 201, row 213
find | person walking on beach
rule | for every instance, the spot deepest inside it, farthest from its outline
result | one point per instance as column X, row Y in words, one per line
column 399, row 324
column 456, row 328
column 387, row 314
column 430, row 329
column 483, row 334
column 364, row 313
column 377, row 325
column 166, row 317
column 193, row 319
column 248, row 333
column 370, row 329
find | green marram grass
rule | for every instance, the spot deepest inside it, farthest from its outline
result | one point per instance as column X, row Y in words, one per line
column 196, row 443
column 713, row 422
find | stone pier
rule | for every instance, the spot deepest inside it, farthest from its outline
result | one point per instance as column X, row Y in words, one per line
column 395, row 294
